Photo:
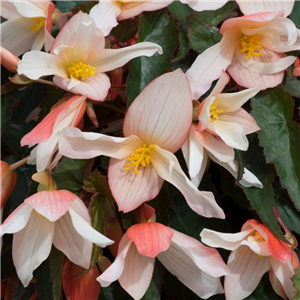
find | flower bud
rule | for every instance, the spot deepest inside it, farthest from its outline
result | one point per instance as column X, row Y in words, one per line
column 8, row 60
column 8, row 181
column 145, row 213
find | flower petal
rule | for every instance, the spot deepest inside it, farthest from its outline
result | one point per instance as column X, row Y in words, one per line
column 249, row 7
column 167, row 166
column 85, row 229
column 51, row 204
column 17, row 220
column 201, row 5
column 150, row 238
column 31, row 246
column 39, row 41
column 209, row 65
column 276, row 285
column 131, row 190
column 105, row 16
column 8, row 10
column 32, row 9
column 246, row 271
column 162, row 113
column 76, row 144
column 94, row 87
column 35, row 64
column 73, row 245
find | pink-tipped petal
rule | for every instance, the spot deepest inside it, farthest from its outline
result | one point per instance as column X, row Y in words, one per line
column 167, row 166
column 17, row 220
column 129, row 189
column 35, row 64
column 73, row 245
column 76, row 144
column 162, row 113
column 105, row 15
column 247, row 269
column 94, row 87
column 31, row 246
column 209, row 65
column 249, row 7
column 150, row 238
column 51, row 204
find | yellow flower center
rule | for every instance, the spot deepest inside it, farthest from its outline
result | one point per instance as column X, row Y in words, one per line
column 250, row 44
column 40, row 23
column 79, row 70
column 142, row 156
column 258, row 237
column 214, row 112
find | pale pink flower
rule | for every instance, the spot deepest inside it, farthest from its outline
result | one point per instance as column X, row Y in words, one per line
column 51, row 217
column 255, row 251
column 155, row 126
column 252, row 50
column 28, row 26
column 108, row 12
column 195, row 265
column 78, row 59
column 247, row 7
column 45, row 154
column 222, row 126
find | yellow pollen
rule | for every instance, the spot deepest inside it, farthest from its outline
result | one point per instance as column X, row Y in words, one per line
column 214, row 112
column 250, row 45
column 79, row 70
column 39, row 25
column 141, row 157
column 258, row 237
column 259, row 256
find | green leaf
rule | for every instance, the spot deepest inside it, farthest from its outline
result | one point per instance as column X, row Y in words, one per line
column 239, row 159
column 67, row 6
column 159, row 28
column 84, row 6
column 295, row 15
column 203, row 37
column 126, row 30
column 6, row 106
column 69, row 174
column 280, row 136
column 261, row 199
column 56, row 263
column 292, row 85
column 296, row 281
column 113, row 292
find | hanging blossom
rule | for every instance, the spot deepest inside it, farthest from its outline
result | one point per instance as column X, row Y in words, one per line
column 221, row 127
column 155, row 126
column 78, row 59
column 247, row 7
column 252, row 50
column 68, row 114
column 195, row 265
column 255, row 251
column 28, row 26
column 107, row 13
column 49, row 217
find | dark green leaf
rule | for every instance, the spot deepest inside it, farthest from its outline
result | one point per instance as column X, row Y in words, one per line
column 69, row 174
column 158, row 28
column 56, row 262
column 43, row 280
column 114, row 292
column 295, row 15
column 296, row 281
column 240, row 160
column 126, row 30
column 291, row 85
column 280, row 136
column 6, row 106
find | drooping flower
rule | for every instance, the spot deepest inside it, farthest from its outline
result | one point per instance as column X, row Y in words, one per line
column 108, row 12
column 221, row 126
column 28, row 26
column 195, row 265
column 252, row 50
column 47, row 217
column 78, row 59
column 45, row 154
column 255, row 251
column 155, row 126
column 247, row 7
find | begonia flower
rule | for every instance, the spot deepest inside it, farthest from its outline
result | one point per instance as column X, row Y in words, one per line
column 78, row 59
column 108, row 12
column 222, row 125
column 255, row 251
column 51, row 217
column 247, row 7
column 28, row 26
column 252, row 50
column 195, row 265
column 8, row 181
column 45, row 155
column 155, row 126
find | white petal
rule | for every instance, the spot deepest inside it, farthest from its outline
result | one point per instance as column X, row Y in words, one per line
column 32, row 9
column 39, row 40
column 201, row 5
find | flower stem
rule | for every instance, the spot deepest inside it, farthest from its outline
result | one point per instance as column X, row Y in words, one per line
column 45, row 82
column 19, row 163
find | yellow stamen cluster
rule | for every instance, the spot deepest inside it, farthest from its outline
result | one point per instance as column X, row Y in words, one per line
column 141, row 157
column 258, row 237
column 39, row 25
column 250, row 44
column 214, row 112
column 79, row 70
